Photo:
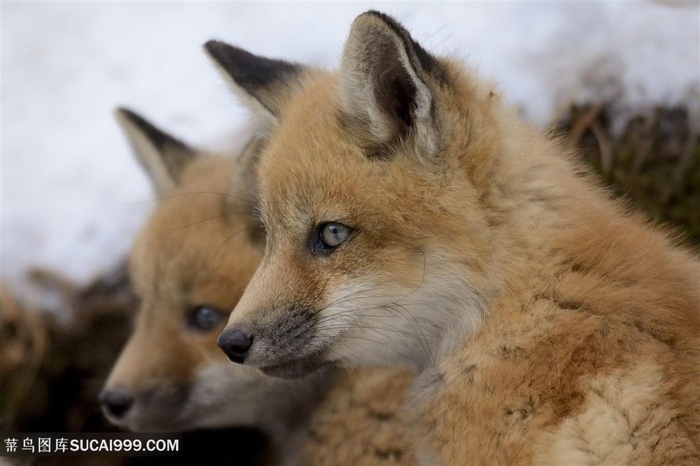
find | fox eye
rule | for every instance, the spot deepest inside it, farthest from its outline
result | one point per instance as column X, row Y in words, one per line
column 206, row 318
column 328, row 236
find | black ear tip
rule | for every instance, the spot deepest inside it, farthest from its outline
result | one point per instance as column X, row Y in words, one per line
column 123, row 113
column 130, row 116
column 377, row 14
column 383, row 17
column 218, row 50
column 130, row 121
column 211, row 45
column 376, row 22
column 228, row 56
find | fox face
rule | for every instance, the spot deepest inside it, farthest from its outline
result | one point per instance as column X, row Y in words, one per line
column 189, row 266
column 371, row 192
column 412, row 220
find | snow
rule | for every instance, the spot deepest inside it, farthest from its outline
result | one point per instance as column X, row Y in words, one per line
column 72, row 195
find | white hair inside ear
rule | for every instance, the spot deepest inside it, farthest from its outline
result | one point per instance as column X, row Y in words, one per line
column 383, row 84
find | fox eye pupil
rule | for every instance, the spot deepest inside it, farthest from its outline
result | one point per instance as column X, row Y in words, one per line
column 206, row 318
column 331, row 235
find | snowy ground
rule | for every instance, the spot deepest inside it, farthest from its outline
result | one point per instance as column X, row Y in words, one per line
column 73, row 197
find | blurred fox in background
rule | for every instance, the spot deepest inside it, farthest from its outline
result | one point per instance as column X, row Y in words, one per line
column 189, row 266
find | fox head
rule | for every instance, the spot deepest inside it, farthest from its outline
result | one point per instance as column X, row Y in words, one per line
column 189, row 266
column 372, row 190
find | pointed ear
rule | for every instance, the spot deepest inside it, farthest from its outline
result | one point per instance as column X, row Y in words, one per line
column 387, row 83
column 264, row 84
column 161, row 155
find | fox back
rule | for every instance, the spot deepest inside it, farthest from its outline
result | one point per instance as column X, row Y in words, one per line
column 413, row 220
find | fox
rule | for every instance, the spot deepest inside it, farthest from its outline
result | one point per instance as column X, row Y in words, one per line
column 414, row 220
column 188, row 267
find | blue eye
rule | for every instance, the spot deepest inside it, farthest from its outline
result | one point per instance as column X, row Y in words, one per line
column 206, row 318
column 328, row 236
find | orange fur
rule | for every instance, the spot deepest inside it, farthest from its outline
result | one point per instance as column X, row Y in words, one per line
column 200, row 247
column 546, row 323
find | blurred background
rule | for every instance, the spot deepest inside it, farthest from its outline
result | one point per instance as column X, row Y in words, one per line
column 72, row 195
column 620, row 79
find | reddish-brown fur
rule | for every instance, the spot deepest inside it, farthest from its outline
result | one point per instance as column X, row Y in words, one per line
column 199, row 247
column 546, row 323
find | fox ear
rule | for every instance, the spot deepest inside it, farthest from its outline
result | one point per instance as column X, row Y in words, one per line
column 161, row 155
column 264, row 84
column 386, row 82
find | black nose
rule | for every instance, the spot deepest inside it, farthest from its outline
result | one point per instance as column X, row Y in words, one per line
column 116, row 402
column 235, row 343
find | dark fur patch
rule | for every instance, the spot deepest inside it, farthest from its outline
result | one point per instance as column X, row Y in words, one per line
column 524, row 411
column 469, row 373
column 670, row 341
column 569, row 305
column 513, row 352
column 178, row 153
column 426, row 60
column 251, row 72
column 396, row 93
column 159, row 138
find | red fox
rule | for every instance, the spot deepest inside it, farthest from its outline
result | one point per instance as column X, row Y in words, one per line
column 413, row 220
column 189, row 266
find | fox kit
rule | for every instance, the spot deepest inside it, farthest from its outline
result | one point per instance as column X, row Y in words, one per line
column 189, row 266
column 412, row 220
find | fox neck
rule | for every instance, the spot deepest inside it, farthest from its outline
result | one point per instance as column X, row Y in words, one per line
column 290, row 411
column 529, row 201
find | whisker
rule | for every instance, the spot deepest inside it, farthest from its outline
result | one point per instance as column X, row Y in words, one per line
column 199, row 222
column 368, row 327
column 381, row 343
column 309, row 316
column 229, row 238
column 424, row 340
